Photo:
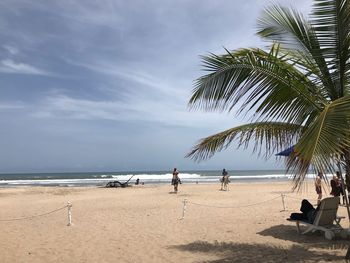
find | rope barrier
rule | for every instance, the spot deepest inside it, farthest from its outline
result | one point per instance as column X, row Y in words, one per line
column 29, row 217
column 69, row 206
column 233, row 206
column 185, row 202
column 298, row 198
column 282, row 196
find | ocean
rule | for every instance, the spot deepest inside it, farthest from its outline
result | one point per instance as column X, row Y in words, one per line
column 146, row 177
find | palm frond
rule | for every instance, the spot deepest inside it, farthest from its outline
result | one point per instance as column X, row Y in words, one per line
column 258, row 78
column 290, row 28
column 272, row 136
column 325, row 138
column 332, row 24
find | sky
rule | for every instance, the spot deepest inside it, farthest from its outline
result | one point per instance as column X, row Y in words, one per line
column 104, row 85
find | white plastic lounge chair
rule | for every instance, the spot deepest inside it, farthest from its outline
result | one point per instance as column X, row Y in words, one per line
column 326, row 219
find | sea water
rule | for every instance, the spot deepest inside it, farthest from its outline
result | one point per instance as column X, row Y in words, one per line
column 146, row 177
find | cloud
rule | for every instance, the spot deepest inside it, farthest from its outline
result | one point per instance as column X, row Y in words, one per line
column 120, row 66
column 12, row 105
column 139, row 77
column 9, row 66
column 11, row 49
column 65, row 107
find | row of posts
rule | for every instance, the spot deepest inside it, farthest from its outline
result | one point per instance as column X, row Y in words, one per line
column 184, row 202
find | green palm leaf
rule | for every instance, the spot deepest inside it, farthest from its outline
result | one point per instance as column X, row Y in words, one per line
column 333, row 29
column 274, row 136
column 290, row 28
column 325, row 138
column 256, row 77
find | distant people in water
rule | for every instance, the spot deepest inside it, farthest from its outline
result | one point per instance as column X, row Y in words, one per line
column 137, row 181
column 225, row 180
column 318, row 187
column 176, row 180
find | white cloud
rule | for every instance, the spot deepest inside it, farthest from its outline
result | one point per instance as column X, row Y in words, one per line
column 135, row 110
column 136, row 75
column 10, row 66
column 11, row 49
column 12, row 105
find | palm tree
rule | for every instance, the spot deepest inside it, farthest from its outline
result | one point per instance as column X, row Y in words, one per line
column 297, row 92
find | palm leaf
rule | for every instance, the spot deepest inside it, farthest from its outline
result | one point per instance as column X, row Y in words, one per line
column 272, row 136
column 289, row 27
column 333, row 28
column 264, row 81
column 325, row 138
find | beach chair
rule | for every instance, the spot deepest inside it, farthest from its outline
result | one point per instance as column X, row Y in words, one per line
column 326, row 220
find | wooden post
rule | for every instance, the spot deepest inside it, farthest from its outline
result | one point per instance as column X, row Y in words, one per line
column 184, row 208
column 69, row 205
column 284, row 207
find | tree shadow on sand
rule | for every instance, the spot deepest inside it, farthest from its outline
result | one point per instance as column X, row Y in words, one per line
column 311, row 240
column 242, row 252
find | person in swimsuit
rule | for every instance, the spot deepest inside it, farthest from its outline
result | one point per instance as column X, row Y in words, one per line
column 176, row 180
column 335, row 186
column 340, row 186
column 222, row 180
column 318, row 187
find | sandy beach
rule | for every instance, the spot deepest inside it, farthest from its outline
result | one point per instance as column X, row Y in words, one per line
column 143, row 224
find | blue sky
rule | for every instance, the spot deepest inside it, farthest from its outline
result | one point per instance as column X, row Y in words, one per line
column 103, row 85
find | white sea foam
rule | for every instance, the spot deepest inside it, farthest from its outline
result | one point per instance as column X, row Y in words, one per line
column 149, row 178
column 166, row 176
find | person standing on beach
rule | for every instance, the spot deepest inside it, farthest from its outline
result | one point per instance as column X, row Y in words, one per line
column 224, row 174
column 335, row 186
column 176, row 180
column 340, row 186
column 318, row 187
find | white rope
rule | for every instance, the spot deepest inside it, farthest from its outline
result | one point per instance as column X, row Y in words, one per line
column 242, row 206
column 29, row 217
column 298, row 198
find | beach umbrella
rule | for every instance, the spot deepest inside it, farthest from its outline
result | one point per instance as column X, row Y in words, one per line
column 286, row 152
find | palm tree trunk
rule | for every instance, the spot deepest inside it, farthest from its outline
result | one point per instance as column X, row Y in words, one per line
column 346, row 160
column 346, row 163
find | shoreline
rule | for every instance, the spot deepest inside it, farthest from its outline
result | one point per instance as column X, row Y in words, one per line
column 159, row 177
column 92, row 185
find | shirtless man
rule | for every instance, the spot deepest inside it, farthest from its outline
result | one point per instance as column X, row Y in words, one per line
column 318, row 187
